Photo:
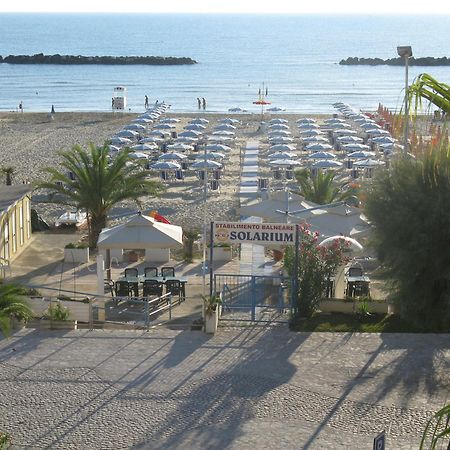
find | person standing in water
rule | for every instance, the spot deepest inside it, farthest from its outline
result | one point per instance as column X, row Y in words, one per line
column 199, row 103
column 146, row 102
column 204, row 103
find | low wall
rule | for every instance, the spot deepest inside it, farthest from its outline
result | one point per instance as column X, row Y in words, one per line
column 342, row 306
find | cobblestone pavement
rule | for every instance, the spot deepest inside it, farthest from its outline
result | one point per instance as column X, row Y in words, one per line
column 253, row 387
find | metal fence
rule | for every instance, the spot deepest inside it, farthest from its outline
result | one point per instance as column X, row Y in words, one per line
column 257, row 298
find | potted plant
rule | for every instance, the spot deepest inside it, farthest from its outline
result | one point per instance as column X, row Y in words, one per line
column 211, row 308
column 76, row 253
column 57, row 318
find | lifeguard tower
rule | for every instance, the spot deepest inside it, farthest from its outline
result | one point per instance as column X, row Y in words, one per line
column 119, row 99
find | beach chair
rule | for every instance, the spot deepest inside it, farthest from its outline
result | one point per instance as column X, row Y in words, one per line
column 150, row 271
column 152, row 287
column 121, row 289
column 167, row 272
column 214, row 186
column 179, row 175
column 176, row 288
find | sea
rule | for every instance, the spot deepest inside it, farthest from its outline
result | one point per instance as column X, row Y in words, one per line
column 294, row 56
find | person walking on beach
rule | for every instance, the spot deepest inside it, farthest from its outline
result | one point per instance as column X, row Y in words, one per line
column 53, row 110
column 146, row 102
column 204, row 103
column 21, row 107
column 199, row 103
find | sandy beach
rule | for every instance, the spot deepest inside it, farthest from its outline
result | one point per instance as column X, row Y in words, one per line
column 30, row 142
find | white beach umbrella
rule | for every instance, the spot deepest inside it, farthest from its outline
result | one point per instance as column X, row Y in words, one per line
column 210, row 155
column 230, row 121
column 337, row 125
column 306, row 120
column 385, row 139
column 142, row 121
column 113, row 148
column 315, row 139
column 186, row 140
column 310, row 132
column 284, row 163
column 282, row 155
column 344, row 132
column 138, row 155
column 276, row 109
column 219, row 138
column 349, row 139
column 218, row 148
column 151, row 140
column 279, row 133
column 321, row 155
column 368, row 163
column 279, row 126
column 206, row 164
column 164, row 126
column 223, row 133
column 369, row 126
column 318, row 147
column 225, row 127
column 135, row 127
column 162, row 133
column 326, row 164
column 200, row 121
column 179, row 146
column 195, row 127
column 307, row 126
column 361, row 154
column 363, row 119
column 120, row 141
column 143, row 147
column 190, row 133
column 334, row 120
column 278, row 120
column 377, row 132
column 166, row 165
column 355, row 147
column 281, row 140
column 170, row 120
column 127, row 134
column 172, row 156
column 282, row 148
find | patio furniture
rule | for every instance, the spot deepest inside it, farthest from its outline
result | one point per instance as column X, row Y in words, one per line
column 152, row 287
column 151, row 271
column 167, row 272
column 131, row 272
column 176, row 288
column 109, row 287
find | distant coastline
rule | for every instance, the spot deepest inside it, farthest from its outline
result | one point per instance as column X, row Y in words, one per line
column 426, row 61
column 40, row 58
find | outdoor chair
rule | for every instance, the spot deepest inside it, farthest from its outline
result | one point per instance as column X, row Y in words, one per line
column 179, row 175
column 214, row 186
column 131, row 272
column 109, row 287
column 355, row 272
column 122, row 289
column 152, row 287
column 176, row 288
column 167, row 272
column 150, row 271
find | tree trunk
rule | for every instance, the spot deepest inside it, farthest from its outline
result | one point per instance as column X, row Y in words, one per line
column 97, row 224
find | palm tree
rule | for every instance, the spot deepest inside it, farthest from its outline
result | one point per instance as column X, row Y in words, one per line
column 96, row 184
column 322, row 188
column 8, row 172
column 428, row 88
column 12, row 304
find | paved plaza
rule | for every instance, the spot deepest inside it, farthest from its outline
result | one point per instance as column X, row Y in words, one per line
column 248, row 387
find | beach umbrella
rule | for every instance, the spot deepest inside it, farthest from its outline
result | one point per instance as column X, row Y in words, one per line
column 349, row 243
column 166, row 165
column 282, row 155
column 337, row 125
column 113, row 148
column 344, row 132
column 307, row 126
column 321, row 155
column 282, row 148
column 355, row 147
column 127, row 134
column 135, row 127
column 152, row 116
column 180, row 146
column 276, row 109
column 210, row 155
column 361, row 155
column 318, row 147
column 279, row 126
column 223, row 133
column 186, row 140
column 142, row 121
column 230, row 121
column 206, row 164
column 164, row 126
column 161, row 133
column 326, row 164
column 172, row 156
column 151, row 140
column 284, row 162
column 199, row 121
column 190, row 133
column 138, row 155
column 368, row 163
column 170, row 120
column 277, row 120
column 195, row 127
column 334, row 120
column 219, row 138
column 348, row 139
column 377, row 132
column 225, row 127
column 310, row 132
column 385, row 139
column 143, row 147
column 306, row 120
column 280, row 140
column 315, row 139
column 279, row 133
column 369, row 126
column 363, row 119
column 218, row 148
column 120, row 141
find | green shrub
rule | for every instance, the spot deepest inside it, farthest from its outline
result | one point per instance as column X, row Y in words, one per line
column 57, row 312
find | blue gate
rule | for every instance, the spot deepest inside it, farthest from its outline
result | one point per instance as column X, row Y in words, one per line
column 257, row 298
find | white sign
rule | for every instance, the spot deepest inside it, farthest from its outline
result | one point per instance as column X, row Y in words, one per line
column 255, row 233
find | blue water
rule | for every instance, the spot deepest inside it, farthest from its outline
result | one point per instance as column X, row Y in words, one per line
column 296, row 56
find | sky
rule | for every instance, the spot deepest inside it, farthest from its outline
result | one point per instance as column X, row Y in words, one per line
column 231, row 6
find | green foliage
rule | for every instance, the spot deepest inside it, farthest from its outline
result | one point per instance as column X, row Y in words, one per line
column 408, row 206
column 322, row 189
column 362, row 308
column 57, row 312
column 76, row 245
column 211, row 303
column 98, row 184
column 5, row 441
column 437, row 431
column 13, row 304
column 316, row 264
column 189, row 237
column 428, row 88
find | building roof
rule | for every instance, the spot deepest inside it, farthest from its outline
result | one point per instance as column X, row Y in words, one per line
column 12, row 194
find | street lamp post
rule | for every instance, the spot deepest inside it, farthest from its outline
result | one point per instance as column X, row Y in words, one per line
column 405, row 52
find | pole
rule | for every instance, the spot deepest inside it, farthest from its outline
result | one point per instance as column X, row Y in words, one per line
column 205, row 197
column 211, row 256
column 295, row 277
column 405, row 137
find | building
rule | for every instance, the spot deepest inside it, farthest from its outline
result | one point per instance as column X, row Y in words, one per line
column 15, row 220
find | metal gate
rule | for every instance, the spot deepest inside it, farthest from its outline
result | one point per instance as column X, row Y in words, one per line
column 258, row 298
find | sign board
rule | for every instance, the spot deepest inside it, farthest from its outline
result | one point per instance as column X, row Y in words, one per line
column 380, row 441
column 254, row 233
